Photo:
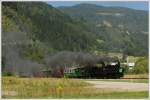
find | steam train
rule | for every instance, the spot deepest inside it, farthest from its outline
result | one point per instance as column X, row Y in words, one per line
column 101, row 70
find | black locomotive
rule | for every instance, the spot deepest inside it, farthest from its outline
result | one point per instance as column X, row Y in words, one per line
column 101, row 70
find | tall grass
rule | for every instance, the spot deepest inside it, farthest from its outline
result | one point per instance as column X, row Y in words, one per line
column 13, row 87
column 39, row 87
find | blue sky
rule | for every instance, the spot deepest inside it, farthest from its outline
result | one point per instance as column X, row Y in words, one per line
column 140, row 5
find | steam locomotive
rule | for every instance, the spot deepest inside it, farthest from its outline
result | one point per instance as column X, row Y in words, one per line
column 101, row 70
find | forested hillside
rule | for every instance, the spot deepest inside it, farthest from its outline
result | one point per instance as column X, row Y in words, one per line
column 35, row 31
column 44, row 23
column 121, row 29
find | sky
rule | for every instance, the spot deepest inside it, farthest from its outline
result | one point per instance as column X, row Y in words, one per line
column 139, row 5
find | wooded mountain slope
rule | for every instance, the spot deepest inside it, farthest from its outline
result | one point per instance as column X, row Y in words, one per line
column 121, row 29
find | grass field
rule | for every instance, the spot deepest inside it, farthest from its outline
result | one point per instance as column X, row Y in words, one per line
column 13, row 87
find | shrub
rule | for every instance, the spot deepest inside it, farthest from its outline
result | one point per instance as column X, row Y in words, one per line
column 141, row 66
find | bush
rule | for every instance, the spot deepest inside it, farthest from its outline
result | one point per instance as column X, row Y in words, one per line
column 141, row 66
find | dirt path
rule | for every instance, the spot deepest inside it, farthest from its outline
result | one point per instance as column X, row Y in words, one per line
column 120, row 85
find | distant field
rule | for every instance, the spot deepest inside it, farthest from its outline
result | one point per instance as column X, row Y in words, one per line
column 119, row 55
column 13, row 87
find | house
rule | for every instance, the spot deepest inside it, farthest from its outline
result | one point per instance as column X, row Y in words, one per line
column 131, row 64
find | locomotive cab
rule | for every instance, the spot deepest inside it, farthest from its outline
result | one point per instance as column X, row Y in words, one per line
column 113, row 70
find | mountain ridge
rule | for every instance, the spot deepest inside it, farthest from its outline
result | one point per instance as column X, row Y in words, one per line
column 100, row 6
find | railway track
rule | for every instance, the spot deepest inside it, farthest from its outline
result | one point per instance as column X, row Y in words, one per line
column 134, row 78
